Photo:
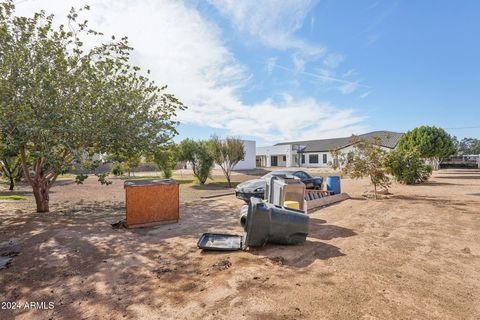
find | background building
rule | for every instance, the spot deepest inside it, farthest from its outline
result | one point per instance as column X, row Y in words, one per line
column 316, row 153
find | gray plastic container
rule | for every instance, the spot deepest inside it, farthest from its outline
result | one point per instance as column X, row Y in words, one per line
column 264, row 223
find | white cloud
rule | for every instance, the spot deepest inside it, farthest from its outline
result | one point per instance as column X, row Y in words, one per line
column 298, row 63
column 348, row 88
column 333, row 60
column 185, row 51
column 365, row 94
column 270, row 64
column 274, row 23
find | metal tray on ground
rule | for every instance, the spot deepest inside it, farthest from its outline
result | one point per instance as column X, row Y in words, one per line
column 220, row 242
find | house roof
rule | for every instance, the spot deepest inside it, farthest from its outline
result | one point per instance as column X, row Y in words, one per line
column 388, row 139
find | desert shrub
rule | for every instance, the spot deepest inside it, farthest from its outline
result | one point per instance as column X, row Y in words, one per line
column 198, row 155
column 119, row 169
column 166, row 158
column 407, row 167
column 367, row 160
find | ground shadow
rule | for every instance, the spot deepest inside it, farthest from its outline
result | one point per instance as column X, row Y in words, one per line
column 15, row 193
column 298, row 256
column 320, row 230
column 63, row 182
column 433, row 184
column 451, row 171
column 215, row 186
column 253, row 172
column 476, row 177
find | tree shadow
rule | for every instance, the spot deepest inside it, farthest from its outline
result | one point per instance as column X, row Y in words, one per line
column 472, row 177
column 215, row 186
column 253, row 172
column 434, row 183
column 72, row 257
column 15, row 193
column 459, row 171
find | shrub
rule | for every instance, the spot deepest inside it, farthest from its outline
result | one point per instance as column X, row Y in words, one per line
column 366, row 160
column 166, row 158
column 119, row 169
column 407, row 167
column 198, row 155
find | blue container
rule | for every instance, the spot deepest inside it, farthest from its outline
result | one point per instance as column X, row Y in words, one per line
column 333, row 184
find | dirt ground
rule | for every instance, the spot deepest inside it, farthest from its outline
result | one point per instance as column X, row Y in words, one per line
column 413, row 255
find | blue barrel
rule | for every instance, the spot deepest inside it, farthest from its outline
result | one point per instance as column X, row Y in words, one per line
column 333, row 184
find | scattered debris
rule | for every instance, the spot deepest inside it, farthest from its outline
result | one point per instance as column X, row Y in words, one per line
column 119, row 225
column 326, row 200
column 8, row 249
column 277, row 260
column 161, row 271
column 4, row 262
column 223, row 264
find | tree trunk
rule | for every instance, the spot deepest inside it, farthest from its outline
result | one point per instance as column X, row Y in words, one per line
column 228, row 181
column 12, row 183
column 42, row 199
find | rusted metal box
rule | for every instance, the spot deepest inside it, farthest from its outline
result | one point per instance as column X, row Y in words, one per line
column 151, row 202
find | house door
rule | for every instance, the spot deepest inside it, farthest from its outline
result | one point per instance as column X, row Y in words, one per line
column 274, row 161
column 258, row 161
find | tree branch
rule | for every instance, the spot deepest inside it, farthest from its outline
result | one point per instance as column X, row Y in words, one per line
column 26, row 172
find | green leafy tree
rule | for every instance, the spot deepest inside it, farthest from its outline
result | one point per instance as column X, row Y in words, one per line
column 10, row 165
column 166, row 158
column 367, row 160
column 468, row 146
column 198, row 155
column 227, row 154
column 431, row 142
column 337, row 159
column 61, row 102
column 407, row 167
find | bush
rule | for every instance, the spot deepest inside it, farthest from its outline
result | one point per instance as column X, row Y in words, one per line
column 166, row 158
column 119, row 169
column 198, row 155
column 407, row 167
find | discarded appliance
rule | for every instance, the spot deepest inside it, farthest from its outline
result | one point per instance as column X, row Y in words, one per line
column 283, row 191
column 264, row 223
column 285, row 188
column 151, row 202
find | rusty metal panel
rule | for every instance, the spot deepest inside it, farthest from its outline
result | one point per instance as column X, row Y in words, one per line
column 151, row 202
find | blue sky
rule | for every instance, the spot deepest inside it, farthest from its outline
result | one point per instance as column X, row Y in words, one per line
column 284, row 70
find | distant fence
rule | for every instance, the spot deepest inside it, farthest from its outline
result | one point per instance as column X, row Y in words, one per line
column 466, row 161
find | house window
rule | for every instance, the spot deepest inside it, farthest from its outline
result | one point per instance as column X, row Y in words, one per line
column 284, row 158
column 313, row 158
column 324, row 158
column 303, row 158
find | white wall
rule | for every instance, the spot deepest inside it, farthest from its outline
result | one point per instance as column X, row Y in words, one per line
column 320, row 163
column 249, row 161
column 280, row 151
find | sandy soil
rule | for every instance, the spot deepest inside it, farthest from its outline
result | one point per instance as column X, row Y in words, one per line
column 414, row 255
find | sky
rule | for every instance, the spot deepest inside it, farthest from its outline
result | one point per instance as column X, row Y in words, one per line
column 286, row 70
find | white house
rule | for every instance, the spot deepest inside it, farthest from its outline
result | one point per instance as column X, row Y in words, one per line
column 316, row 153
column 249, row 162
